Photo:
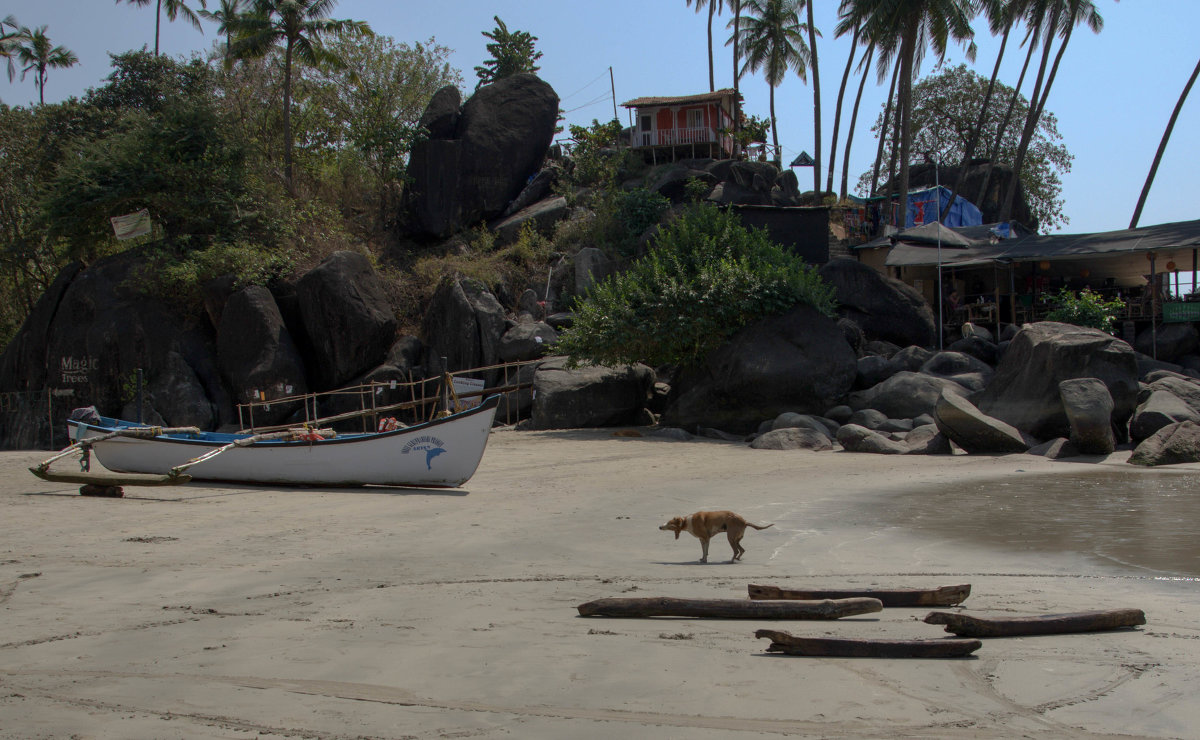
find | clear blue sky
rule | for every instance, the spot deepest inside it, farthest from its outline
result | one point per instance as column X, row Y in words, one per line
column 1113, row 96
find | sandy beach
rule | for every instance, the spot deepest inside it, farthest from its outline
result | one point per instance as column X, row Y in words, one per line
column 225, row 611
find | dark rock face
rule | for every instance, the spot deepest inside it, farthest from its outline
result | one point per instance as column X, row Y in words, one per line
column 256, row 352
column 792, row 438
column 500, row 139
column 1174, row 443
column 347, row 321
column 855, row 438
column 464, row 324
column 886, row 309
column 590, row 396
column 796, row 361
column 526, row 342
column 441, row 115
column 1089, row 410
column 1025, row 389
column 1161, row 408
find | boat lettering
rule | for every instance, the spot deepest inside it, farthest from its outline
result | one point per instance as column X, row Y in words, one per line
column 427, row 443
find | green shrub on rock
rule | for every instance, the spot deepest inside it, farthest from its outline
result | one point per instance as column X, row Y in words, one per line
column 1085, row 308
column 705, row 277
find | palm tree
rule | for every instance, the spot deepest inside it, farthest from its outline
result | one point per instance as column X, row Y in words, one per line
column 1162, row 146
column 33, row 50
column 816, row 78
column 772, row 39
column 174, row 8
column 1001, row 15
column 736, row 23
column 298, row 25
column 1058, row 17
column 917, row 24
column 714, row 7
column 10, row 38
column 224, row 17
column 994, row 152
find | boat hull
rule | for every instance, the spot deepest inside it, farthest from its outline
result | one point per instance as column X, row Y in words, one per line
column 443, row 453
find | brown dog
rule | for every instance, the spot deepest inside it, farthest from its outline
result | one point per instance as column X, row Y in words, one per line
column 707, row 524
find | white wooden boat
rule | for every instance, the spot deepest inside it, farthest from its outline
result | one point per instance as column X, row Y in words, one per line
column 441, row 453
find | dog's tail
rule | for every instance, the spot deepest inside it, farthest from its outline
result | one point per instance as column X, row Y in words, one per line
column 751, row 524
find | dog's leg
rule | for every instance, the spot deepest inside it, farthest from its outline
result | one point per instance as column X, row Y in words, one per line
column 704, row 546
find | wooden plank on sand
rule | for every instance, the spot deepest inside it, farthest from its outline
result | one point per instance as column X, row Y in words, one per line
column 1046, row 624
column 664, row 606
column 891, row 597
column 846, row 647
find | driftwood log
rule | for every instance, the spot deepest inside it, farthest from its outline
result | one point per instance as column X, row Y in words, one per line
column 1047, row 624
column 891, row 597
column 839, row 647
column 663, row 606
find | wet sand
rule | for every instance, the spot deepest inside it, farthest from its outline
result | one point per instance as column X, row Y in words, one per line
column 240, row 612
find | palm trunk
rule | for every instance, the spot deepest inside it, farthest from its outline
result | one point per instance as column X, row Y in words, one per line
column 737, row 97
column 287, row 118
column 854, row 121
column 712, row 6
column 973, row 141
column 816, row 76
column 837, row 112
column 1036, row 104
column 774, row 128
column 157, row 24
column 994, row 153
column 1162, row 147
column 883, row 131
column 907, row 51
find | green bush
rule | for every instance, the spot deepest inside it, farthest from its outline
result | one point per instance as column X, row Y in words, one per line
column 705, row 277
column 1085, row 308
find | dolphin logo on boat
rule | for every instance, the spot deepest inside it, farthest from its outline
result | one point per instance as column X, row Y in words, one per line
column 430, row 454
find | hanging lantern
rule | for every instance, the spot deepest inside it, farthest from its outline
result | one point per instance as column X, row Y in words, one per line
column 1171, row 266
column 1084, row 272
column 1044, row 265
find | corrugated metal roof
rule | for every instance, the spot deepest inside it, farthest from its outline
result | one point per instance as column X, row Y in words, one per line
column 919, row 250
column 681, row 99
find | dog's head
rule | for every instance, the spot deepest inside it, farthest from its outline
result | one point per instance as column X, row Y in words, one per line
column 676, row 525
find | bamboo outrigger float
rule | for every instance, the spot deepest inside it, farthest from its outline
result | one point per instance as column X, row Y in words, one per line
column 891, row 597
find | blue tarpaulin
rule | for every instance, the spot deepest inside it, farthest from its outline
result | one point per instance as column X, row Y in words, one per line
column 925, row 205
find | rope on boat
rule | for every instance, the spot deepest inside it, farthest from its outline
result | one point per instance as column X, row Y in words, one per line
column 288, row 435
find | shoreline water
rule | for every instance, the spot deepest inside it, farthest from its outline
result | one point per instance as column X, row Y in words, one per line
column 229, row 611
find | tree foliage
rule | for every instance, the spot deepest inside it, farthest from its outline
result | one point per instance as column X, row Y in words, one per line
column 945, row 111
column 705, row 277
column 512, row 53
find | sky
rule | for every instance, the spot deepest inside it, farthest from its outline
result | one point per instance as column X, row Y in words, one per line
column 1113, row 96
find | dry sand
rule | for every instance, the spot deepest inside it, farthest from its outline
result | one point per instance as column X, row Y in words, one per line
column 239, row 612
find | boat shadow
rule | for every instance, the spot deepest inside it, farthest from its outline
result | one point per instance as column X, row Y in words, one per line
column 223, row 490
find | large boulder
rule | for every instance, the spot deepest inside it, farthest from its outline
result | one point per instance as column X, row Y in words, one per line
column 885, row 308
column 1024, row 392
column 526, row 341
column 1160, row 409
column 588, row 396
column 500, row 139
column 969, row 428
column 348, row 323
column 1173, row 444
column 855, row 438
column 463, row 323
column 87, row 337
column 906, row 395
column 1167, row 342
column 793, row 438
column 1089, row 406
column 796, row 361
column 256, row 353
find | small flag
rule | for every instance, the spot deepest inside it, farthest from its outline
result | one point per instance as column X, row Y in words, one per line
column 131, row 225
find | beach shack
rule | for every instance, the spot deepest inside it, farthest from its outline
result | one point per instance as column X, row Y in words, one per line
column 684, row 127
column 1002, row 273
